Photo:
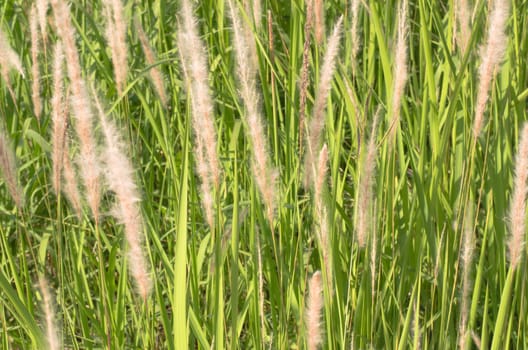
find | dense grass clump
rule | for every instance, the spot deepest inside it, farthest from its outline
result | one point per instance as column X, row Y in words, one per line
column 304, row 174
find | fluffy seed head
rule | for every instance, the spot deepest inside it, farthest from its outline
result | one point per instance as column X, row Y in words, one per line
column 518, row 202
column 265, row 176
column 8, row 169
column 462, row 11
column 257, row 13
column 194, row 61
column 492, row 54
column 400, row 74
column 154, row 72
column 315, row 130
column 42, row 9
column 468, row 246
column 70, row 187
column 321, row 214
column 366, row 183
column 119, row 175
column 35, row 71
column 9, row 59
column 116, row 36
column 58, row 116
column 81, row 107
column 52, row 335
column 305, row 78
column 314, row 305
column 319, row 21
column 354, row 30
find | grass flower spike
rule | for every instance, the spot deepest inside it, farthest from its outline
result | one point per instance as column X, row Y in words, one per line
column 315, row 129
column 195, row 65
column 119, row 175
column 492, row 54
column 314, row 305
column 265, row 176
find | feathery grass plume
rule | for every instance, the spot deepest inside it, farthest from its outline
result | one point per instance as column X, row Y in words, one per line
column 373, row 259
column 320, row 176
column 81, row 107
column 492, row 54
column 400, row 74
column 202, row 168
column 468, row 246
column 35, row 71
column 354, row 30
column 52, row 334
column 305, row 77
column 9, row 59
column 365, row 187
column 155, row 74
column 518, row 203
column 58, row 116
column 9, row 169
column 247, row 30
column 315, row 130
column 119, row 175
column 321, row 214
column 70, row 187
column 318, row 9
column 116, row 36
column 265, row 176
column 462, row 13
column 257, row 12
column 194, row 61
column 42, row 10
column 314, row 306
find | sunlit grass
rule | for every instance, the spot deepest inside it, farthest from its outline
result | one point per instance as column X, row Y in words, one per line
column 242, row 281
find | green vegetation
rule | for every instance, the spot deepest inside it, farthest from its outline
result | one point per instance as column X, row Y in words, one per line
column 433, row 182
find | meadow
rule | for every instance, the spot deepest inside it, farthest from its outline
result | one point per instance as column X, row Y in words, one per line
column 263, row 174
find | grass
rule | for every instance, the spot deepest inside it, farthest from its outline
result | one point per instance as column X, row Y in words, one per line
column 206, row 279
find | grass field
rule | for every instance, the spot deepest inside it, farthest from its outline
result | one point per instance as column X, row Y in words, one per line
column 214, row 216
